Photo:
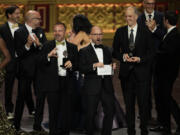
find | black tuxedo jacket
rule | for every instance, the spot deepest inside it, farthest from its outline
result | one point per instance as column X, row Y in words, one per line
column 159, row 32
column 47, row 72
column 26, row 58
column 5, row 33
column 168, row 56
column 93, row 82
column 143, row 49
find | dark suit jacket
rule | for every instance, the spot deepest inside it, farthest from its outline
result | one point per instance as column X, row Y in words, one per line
column 93, row 82
column 47, row 73
column 168, row 56
column 143, row 49
column 5, row 33
column 159, row 32
column 26, row 58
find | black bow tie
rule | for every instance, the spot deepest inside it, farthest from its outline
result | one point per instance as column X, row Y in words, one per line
column 98, row 46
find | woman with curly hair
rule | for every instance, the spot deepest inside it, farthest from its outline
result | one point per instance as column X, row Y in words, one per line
column 81, row 29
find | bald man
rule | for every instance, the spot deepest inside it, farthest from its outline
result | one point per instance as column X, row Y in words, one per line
column 133, row 48
column 28, row 42
column 97, row 87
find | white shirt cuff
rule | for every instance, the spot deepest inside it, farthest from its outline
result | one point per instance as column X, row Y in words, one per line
column 124, row 58
column 27, row 48
column 154, row 29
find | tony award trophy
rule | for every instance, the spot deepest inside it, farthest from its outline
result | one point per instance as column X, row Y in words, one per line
column 131, row 48
column 65, row 59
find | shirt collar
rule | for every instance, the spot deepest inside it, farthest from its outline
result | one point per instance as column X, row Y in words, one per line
column 147, row 14
column 62, row 41
column 10, row 24
column 29, row 28
column 170, row 29
column 134, row 28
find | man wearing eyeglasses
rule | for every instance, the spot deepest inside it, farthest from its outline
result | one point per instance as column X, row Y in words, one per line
column 152, row 20
column 97, row 86
column 28, row 42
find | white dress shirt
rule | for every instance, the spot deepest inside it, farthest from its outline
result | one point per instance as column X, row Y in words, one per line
column 29, row 28
column 147, row 15
column 12, row 29
column 134, row 31
column 134, row 34
column 60, row 51
column 99, row 53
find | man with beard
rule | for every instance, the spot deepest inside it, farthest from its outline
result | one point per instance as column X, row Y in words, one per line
column 56, row 64
column 28, row 42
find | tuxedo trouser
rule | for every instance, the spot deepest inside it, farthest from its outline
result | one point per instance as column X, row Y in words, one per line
column 9, row 83
column 52, row 100
column 152, row 86
column 24, row 95
column 133, row 89
column 65, row 106
column 108, row 104
column 167, row 103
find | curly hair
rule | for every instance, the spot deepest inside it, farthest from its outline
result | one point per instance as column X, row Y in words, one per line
column 81, row 23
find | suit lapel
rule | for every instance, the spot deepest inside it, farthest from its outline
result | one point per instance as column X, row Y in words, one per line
column 93, row 54
column 144, row 19
column 137, row 36
column 173, row 31
column 9, row 31
column 53, row 44
column 126, row 41
column 68, row 49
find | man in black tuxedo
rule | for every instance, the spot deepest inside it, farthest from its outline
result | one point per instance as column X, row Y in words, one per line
column 28, row 43
column 7, row 32
column 97, row 87
column 132, row 46
column 152, row 20
column 56, row 63
column 167, row 68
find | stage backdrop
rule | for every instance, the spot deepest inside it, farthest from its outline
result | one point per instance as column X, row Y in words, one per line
column 108, row 14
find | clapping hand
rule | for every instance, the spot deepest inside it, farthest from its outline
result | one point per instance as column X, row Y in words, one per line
column 151, row 24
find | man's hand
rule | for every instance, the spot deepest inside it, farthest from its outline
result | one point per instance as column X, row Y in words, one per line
column 29, row 41
column 151, row 24
column 68, row 64
column 126, row 58
column 113, row 66
column 135, row 59
column 36, row 40
column 98, row 64
column 53, row 53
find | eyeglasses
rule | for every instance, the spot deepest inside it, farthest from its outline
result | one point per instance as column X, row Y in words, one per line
column 100, row 34
column 150, row 3
column 37, row 18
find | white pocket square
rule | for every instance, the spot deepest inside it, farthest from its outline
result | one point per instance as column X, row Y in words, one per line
column 40, row 35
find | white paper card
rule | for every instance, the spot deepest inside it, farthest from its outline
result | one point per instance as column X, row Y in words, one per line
column 106, row 70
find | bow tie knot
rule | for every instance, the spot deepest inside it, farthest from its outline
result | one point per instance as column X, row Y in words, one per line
column 98, row 46
column 14, row 26
column 60, row 43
